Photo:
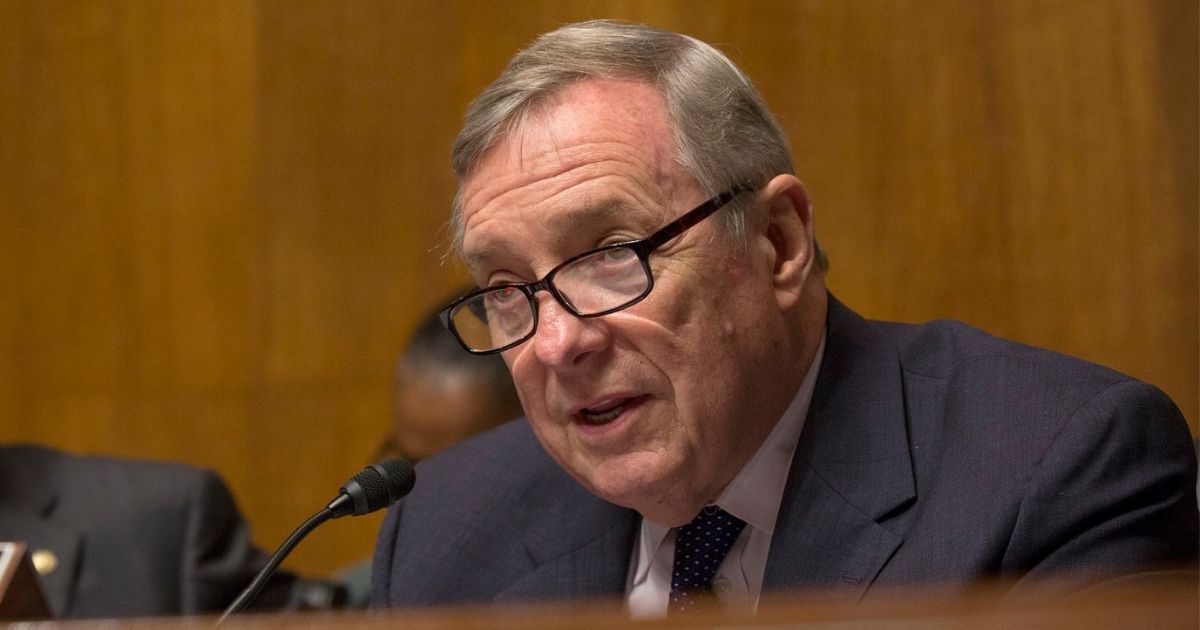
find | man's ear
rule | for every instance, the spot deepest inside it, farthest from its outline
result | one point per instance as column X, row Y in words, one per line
column 791, row 236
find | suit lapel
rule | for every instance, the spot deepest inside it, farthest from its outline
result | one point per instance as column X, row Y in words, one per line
column 34, row 515
column 67, row 546
column 852, row 471
column 581, row 553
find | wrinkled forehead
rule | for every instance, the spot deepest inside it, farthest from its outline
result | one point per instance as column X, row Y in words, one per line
column 562, row 233
column 599, row 150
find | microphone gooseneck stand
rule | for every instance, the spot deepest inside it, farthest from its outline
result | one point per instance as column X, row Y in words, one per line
column 260, row 580
column 376, row 487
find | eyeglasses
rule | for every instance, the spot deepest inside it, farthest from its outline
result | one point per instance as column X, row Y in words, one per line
column 594, row 283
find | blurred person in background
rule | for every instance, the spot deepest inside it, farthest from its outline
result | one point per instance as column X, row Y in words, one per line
column 441, row 396
column 116, row 537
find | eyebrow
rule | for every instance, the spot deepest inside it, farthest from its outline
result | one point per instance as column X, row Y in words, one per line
column 602, row 215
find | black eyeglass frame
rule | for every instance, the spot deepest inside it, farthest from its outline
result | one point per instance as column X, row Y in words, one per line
column 641, row 247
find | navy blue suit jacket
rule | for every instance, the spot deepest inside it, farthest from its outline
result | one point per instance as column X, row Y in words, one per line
column 930, row 454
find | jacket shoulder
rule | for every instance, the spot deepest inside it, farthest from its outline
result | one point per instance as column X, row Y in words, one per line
column 942, row 348
column 482, row 516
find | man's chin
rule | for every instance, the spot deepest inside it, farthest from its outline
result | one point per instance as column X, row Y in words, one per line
column 641, row 486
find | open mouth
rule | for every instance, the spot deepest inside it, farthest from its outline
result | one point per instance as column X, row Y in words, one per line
column 607, row 411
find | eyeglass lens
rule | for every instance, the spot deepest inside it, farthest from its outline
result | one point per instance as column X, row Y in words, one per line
column 596, row 282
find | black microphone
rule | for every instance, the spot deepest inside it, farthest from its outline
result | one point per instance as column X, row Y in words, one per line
column 376, row 487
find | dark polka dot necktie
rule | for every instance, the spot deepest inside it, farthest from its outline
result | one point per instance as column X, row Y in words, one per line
column 700, row 546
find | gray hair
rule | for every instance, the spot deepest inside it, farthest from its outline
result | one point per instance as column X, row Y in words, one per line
column 724, row 135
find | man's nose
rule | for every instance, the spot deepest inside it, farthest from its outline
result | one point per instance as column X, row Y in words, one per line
column 564, row 340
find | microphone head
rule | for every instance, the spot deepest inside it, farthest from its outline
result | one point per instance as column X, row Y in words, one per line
column 376, row 487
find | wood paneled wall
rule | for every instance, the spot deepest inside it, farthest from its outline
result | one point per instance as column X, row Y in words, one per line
column 219, row 220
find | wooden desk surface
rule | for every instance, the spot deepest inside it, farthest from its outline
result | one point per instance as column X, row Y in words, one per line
column 1165, row 602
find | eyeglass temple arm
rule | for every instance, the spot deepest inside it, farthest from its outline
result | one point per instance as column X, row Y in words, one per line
column 698, row 214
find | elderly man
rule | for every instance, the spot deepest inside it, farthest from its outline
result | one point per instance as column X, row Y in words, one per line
column 702, row 415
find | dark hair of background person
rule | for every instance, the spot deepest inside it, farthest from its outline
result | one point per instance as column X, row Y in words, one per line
column 443, row 395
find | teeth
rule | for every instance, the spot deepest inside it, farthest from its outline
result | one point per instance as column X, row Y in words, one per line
column 602, row 417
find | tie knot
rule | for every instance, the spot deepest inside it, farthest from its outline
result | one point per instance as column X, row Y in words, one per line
column 712, row 522
column 700, row 547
